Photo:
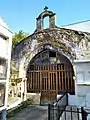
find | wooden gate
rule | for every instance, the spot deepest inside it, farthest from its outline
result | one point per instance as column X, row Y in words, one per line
column 49, row 80
column 49, row 84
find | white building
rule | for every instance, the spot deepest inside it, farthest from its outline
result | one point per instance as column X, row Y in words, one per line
column 5, row 56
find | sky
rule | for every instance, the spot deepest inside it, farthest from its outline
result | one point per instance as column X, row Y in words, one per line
column 22, row 14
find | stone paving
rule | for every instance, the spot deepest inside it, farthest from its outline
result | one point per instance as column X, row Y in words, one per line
column 68, row 114
column 32, row 113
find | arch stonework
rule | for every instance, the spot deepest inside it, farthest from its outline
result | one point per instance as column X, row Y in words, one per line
column 67, row 42
column 26, row 60
column 62, row 40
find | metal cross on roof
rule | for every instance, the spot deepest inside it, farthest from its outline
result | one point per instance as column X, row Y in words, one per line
column 45, row 8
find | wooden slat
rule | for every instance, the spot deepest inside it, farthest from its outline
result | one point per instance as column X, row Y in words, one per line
column 50, row 81
column 52, row 78
column 46, row 82
column 40, row 80
column 31, row 81
column 56, row 87
column 35, row 80
column 70, row 79
column 62, row 77
column 59, row 79
column 65, row 78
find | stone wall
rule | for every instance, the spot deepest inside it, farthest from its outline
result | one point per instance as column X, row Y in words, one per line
column 68, row 42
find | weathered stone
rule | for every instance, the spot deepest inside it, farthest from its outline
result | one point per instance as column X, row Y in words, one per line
column 72, row 44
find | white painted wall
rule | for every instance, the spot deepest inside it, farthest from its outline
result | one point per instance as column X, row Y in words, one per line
column 4, row 48
column 5, row 52
column 82, row 72
column 82, row 83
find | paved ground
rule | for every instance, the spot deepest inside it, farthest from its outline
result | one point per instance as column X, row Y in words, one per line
column 32, row 113
column 75, row 115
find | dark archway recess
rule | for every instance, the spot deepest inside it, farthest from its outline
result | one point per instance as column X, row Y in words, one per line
column 50, row 73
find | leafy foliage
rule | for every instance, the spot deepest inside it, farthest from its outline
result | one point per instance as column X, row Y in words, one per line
column 18, row 37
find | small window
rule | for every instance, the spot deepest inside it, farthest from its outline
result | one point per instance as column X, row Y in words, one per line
column 3, row 37
column 2, row 94
column 52, row 54
column 3, row 68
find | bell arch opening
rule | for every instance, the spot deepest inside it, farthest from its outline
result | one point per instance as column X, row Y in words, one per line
column 50, row 73
column 43, row 16
column 46, row 22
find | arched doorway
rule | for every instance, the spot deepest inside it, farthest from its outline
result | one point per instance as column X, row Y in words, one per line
column 50, row 73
